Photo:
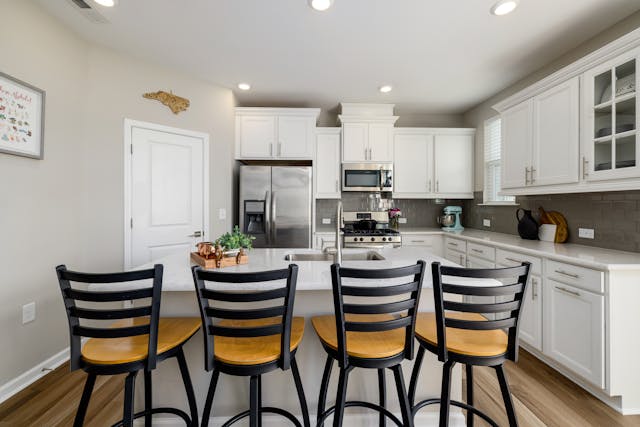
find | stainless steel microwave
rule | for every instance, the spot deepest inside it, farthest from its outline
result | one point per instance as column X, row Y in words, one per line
column 367, row 177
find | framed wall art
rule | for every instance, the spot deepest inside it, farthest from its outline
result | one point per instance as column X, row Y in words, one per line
column 21, row 118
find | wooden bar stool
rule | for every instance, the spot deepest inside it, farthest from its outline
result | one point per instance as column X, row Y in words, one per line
column 459, row 333
column 373, row 335
column 136, row 341
column 250, row 342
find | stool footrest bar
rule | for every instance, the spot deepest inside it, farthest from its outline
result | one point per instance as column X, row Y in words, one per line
column 462, row 405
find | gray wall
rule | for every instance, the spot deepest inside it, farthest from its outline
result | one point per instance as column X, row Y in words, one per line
column 615, row 216
column 68, row 208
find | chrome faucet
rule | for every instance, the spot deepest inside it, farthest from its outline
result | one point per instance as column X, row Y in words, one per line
column 336, row 251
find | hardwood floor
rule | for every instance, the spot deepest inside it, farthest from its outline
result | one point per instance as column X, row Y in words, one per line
column 52, row 401
column 542, row 397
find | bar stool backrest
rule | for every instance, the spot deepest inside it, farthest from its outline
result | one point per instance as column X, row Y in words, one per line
column 208, row 297
column 511, row 295
column 144, row 319
column 401, row 313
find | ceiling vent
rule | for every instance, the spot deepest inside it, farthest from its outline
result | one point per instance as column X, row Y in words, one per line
column 88, row 12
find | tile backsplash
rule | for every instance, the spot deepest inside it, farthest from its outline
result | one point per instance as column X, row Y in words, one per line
column 615, row 216
column 418, row 212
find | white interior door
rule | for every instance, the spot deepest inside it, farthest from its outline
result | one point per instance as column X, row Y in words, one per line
column 168, row 197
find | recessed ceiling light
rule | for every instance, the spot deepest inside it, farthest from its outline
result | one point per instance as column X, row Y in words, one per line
column 106, row 3
column 244, row 86
column 385, row 89
column 320, row 5
column 504, row 7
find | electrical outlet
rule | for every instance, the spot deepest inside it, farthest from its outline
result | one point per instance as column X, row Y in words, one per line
column 222, row 213
column 586, row 233
column 402, row 220
column 326, row 220
column 28, row 313
column 486, row 222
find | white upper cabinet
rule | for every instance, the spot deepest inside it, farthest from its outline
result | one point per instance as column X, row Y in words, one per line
column 257, row 136
column 556, row 135
column 433, row 163
column 367, row 132
column 577, row 129
column 453, row 164
column 327, row 163
column 413, row 165
column 517, row 137
column 275, row 133
column 611, row 142
column 355, row 145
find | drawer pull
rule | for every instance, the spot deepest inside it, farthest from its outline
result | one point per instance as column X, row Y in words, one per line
column 417, row 241
column 564, row 273
column 477, row 250
column 514, row 260
column 453, row 244
column 568, row 291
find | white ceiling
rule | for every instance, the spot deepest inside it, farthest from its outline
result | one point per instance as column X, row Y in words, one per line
column 440, row 56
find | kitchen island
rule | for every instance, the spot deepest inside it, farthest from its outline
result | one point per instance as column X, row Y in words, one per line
column 313, row 297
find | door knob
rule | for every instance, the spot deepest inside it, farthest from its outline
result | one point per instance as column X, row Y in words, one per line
column 196, row 234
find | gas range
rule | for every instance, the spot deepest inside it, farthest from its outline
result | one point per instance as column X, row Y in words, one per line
column 369, row 229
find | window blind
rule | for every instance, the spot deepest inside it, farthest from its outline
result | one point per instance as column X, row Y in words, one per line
column 492, row 172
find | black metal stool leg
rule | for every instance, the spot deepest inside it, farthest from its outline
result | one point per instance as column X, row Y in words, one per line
column 469, row 369
column 341, row 397
column 445, row 395
column 324, row 385
column 254, row 406
column 148, row 398
column 206, row 414
column 188, row 387
column 415, row 374
column 506, row 396
column 403, row 399
column 382, row 395
column 84, row 400
column 129, row 396
column 303, row 400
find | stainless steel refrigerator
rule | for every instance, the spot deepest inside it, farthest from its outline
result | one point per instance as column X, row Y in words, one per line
column 275, row 205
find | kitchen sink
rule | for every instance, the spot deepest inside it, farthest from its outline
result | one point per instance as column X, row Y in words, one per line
column 349, row 256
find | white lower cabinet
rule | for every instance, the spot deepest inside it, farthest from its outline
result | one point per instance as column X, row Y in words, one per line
column 475, row 262
column 430, row 242
column 574, row 329
column 455, row 256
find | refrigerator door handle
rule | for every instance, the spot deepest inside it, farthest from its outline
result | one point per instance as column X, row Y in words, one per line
column 273, row 218
column 267, row 215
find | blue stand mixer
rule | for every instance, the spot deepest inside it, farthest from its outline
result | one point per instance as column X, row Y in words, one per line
column 450, row 221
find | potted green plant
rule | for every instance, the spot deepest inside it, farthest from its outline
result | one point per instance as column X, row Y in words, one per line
column 233, row 242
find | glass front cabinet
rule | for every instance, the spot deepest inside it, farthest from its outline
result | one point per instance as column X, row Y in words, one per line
column 611, row 145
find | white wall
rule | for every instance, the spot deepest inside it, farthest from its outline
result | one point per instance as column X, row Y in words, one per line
column 68, row 208
column 479, row 114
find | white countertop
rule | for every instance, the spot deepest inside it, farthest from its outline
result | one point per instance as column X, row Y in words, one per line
column 312, row 275
column 585, row 256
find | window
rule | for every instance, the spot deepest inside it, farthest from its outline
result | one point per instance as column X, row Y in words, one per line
column 492, row 175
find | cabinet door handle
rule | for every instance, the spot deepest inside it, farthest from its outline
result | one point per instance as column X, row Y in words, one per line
column 532, row 179
column 534, row 289
column 366, row 154
column 514, row 260
column 564, row 273
column 437, row 186
column 279, row 148
column 585, row 167
column 370, row 153
column 526, row 176
column 568, row 291
column 462, row 260
column 429, row 186
column 337, row 186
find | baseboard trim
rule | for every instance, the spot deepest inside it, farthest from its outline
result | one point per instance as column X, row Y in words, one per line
column 10, row 388
column 425, row 419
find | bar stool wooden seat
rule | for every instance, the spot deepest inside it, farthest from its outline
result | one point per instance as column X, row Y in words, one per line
column 374, row 334
column 136, row 341
column 458, row 332
column 249, row 341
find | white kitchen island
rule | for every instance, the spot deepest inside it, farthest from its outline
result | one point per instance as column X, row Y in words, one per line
column 313, row 297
